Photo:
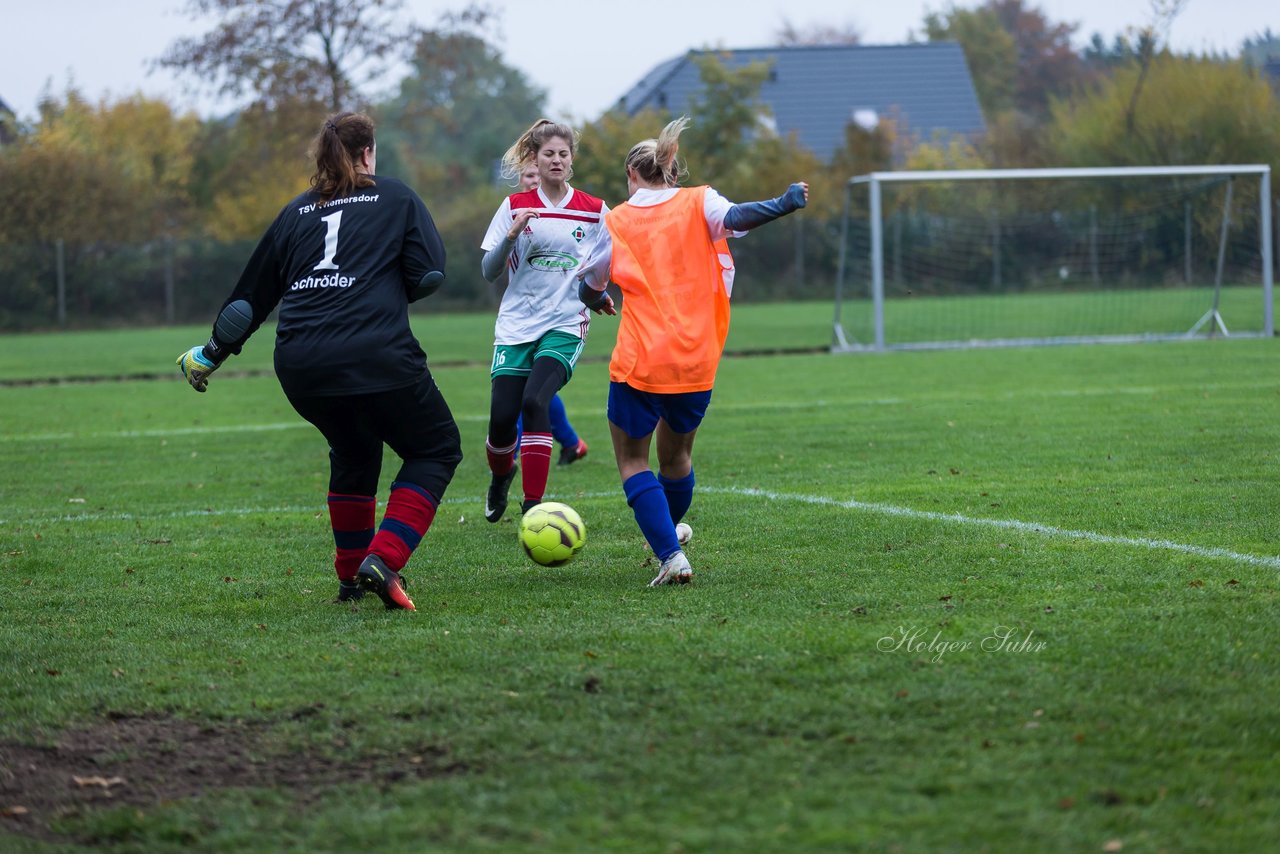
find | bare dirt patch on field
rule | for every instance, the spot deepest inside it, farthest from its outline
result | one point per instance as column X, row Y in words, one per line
column 144, row 761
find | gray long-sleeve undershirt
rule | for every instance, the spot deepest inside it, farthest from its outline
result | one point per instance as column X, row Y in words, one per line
column 495, row 260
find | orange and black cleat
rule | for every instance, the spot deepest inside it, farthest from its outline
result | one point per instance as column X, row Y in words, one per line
column 375, row 577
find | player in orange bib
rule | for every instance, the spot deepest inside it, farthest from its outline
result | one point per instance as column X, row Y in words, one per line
column 666, row 250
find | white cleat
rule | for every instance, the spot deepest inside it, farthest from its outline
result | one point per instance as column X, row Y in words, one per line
column 674, row 570
column 683, row 535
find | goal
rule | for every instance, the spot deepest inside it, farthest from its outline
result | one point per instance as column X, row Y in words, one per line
column 1013, row 257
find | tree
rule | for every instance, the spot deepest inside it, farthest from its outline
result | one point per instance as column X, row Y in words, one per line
column 9, row 125
column 98, row 172
column 1047, row 64
column 604, row 146
column 867, row 148
column 251, row 164
column 988, row 48
column 1262, row 51
column 105, row 183
column 1195, row 110
column 1163, row 11
column 323, row 52
column 447, row 126
column 1014, row 140
column 1101, row 59
column 791, row 35
column 1261, row 48
column 1019, row 59
column 456, row 112
column 729, row 119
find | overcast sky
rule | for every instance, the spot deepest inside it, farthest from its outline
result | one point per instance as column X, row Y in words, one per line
column 586, row 55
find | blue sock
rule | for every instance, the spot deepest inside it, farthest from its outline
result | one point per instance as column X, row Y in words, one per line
column 679, row 494
column 649, row 504
column 561, row 429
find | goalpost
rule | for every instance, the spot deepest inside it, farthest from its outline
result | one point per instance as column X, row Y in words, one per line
column 1014, row 257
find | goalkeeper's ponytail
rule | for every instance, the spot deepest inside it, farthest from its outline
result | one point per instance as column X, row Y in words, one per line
column 337, row 149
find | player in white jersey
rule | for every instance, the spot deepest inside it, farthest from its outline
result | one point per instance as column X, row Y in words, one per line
column 539, row 238
column 572, row 446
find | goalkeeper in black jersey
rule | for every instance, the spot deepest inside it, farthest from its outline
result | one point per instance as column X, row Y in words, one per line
column 343, row 261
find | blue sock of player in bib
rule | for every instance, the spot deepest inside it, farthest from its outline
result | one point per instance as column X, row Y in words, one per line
column 561, row 429
column 679, row 494
column 649, row 504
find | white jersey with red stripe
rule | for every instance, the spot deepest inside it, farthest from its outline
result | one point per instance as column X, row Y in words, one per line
column 542, row 288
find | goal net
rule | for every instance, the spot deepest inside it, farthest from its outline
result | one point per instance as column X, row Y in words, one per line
column 1046, row 256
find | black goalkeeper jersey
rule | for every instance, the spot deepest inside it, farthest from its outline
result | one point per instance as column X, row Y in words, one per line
column 342, row 274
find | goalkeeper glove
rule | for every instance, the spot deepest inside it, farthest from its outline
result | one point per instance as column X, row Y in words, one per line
column 196, row 367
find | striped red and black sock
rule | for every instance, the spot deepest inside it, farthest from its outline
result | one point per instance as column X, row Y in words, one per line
column 410, row 510
column 351, row 517
column 535, row 450
column 500, row 459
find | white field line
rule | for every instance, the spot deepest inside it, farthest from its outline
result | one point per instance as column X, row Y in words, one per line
column 1049, row 531
column 1031, row 528
column 776, row 406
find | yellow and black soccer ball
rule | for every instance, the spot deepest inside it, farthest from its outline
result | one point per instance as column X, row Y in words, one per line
column 551, row 533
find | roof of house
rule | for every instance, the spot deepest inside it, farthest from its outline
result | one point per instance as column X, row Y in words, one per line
column 814, row 90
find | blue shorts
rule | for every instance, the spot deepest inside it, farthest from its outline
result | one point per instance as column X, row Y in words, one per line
column 637, row 412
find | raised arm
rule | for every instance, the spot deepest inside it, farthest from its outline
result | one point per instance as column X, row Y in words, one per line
column 749, row 215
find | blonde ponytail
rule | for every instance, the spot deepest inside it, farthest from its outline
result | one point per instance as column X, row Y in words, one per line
column 657, row 161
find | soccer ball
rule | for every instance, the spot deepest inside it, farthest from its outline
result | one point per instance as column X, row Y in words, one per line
column 551, row 533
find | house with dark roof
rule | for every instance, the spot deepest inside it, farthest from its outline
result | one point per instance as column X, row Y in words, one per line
column 816, row 91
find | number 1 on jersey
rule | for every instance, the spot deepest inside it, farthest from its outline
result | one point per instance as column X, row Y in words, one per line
column 332, row 222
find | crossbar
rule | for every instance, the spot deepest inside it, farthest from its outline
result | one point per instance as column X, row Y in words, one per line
column 1062, row 172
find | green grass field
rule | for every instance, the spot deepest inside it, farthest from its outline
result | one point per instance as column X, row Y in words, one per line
column 1004, row 600
column 1106, row 312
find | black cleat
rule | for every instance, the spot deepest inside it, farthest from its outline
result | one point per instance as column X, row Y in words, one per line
column 385, row 583
column 349, row 591
column 568, row 456
column 528, row 504
column 495, row 503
